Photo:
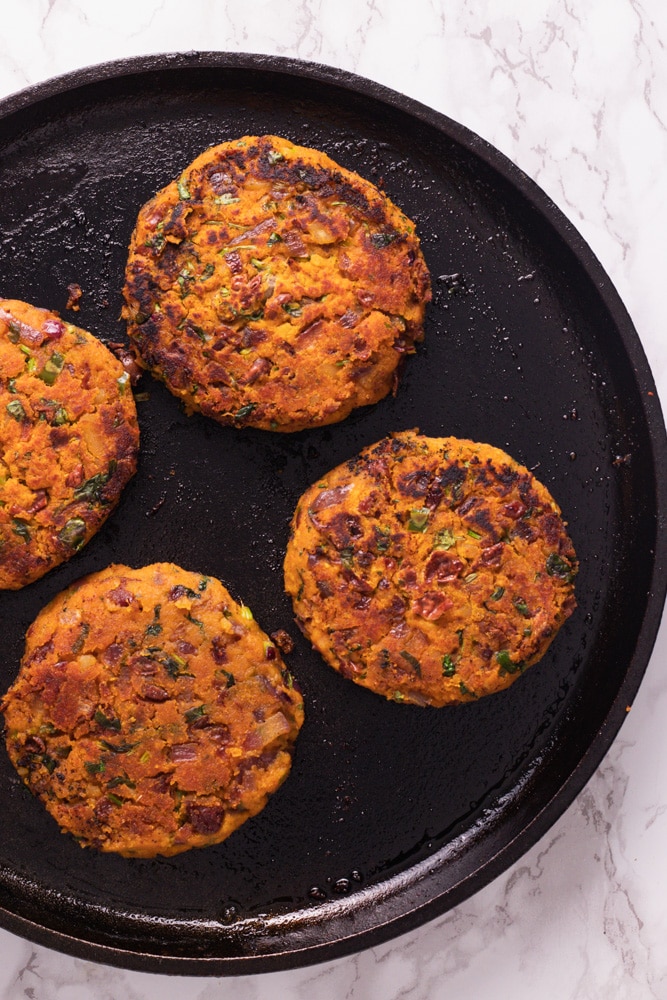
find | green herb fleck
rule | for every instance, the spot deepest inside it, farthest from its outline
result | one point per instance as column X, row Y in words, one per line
column 183, row 191
column 464, row 689
column 156, row 242
column 20, row 528
column 195, row 713
column 347, row 557
column 92, row 488
column 380, row 240
column 560, row 568
column 73, row 533
column 106, row 722
column 505, row 662
column 60, row 417
column 174, row 665
column 448, row 666
column 121, row 779
column 95, row 767
column 497, row 594
column 287, row 678
column 50, row 763
column 522, row 607
column 244, row 411
column 155, row 628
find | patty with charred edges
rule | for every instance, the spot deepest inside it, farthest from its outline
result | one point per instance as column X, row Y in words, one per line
column 69, row 440
column 431, row 570
column 270, row 287
column 150, row 714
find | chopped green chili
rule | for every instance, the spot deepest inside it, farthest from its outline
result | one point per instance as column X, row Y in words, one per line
column 52, row 368
column 444, row 539
column 15, row 410
column 419, row 519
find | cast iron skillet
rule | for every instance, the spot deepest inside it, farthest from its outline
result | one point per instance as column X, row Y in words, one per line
column 392, row 813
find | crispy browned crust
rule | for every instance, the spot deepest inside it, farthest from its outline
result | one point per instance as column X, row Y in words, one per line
column 430, row 570
column 68, row 440
column 151, row 714
column 270, row 287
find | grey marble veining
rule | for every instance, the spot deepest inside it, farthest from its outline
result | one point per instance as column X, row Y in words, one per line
column 576, row 95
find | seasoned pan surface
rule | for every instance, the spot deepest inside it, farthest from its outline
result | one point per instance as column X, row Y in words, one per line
column 392, row 813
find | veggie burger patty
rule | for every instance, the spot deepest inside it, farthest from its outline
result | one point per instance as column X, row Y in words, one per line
column 68, row 440
column 270, row 287
column 430, row 570
column 150, row 714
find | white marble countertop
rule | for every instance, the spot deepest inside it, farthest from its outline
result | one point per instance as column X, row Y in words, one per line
column 576, row 95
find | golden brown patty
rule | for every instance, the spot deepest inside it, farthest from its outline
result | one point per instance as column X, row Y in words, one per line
column 151, row 714
column 68, row 440
column 270, row 287
column 430, row 570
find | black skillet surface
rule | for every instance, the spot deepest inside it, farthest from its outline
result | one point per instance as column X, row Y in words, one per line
column 392, row 813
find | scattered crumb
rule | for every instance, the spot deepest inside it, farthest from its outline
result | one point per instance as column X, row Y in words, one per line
column 74, row 297
column 283, row 641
